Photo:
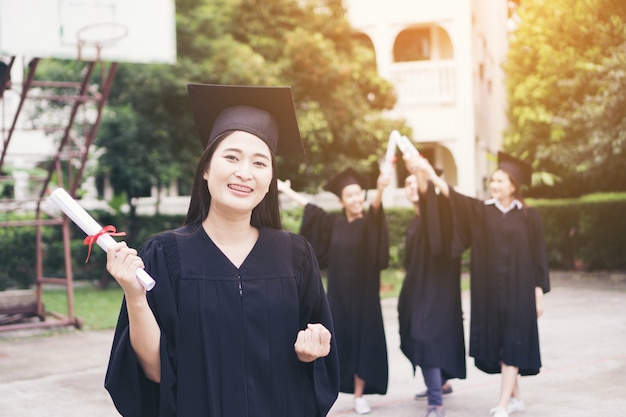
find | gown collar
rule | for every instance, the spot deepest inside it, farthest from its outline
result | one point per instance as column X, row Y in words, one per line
column 515, row 204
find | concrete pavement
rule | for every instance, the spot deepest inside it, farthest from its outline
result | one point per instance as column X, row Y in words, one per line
column 583, row 341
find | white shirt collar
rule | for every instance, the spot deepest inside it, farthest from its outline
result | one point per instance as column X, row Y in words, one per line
column 514, row 204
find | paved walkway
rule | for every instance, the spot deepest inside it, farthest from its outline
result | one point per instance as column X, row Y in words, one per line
column 583, row 340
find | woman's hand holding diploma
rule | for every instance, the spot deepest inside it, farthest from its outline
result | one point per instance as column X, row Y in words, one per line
column 122, row 264
column 95, row 233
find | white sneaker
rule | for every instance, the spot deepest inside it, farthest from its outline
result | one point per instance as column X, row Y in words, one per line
column 361, row 406
column 515, row 405
column 499, row 412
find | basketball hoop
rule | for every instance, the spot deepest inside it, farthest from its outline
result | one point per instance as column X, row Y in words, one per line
column 99, row 35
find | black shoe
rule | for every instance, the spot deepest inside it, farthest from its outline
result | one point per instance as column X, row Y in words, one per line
column 422, row 395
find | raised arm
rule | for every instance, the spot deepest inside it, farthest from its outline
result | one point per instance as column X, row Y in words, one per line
column 420, row 166
column 285, row 188
column 381, row 183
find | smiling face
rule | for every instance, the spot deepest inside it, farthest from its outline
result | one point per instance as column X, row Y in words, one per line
column 501, row 187
column 239, row 174
column 352, row 200
column 410, row 189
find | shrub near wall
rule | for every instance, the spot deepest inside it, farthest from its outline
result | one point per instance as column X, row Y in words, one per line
column 17, row 257
column 397, row 222
column 18, row 249
column 588, row 233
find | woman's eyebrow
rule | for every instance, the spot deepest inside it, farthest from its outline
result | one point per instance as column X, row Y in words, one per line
column 239, row 150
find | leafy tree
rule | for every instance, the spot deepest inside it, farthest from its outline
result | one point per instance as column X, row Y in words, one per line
column 144, row 133
column 338, row 93
column 308, row 45
column 566, row 85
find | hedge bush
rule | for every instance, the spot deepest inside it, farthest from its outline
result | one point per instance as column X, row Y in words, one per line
column 586, row 233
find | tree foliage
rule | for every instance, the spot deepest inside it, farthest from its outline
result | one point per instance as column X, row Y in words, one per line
column 566, row 86
column 308, row 45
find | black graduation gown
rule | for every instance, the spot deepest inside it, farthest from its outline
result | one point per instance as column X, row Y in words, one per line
column 429, row 305
column 508, row 260
column 354, row 253
column 227, row 333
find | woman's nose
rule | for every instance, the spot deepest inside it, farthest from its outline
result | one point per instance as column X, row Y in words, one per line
column 243, row 173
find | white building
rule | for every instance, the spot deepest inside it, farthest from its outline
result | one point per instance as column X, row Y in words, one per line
column 444, row 59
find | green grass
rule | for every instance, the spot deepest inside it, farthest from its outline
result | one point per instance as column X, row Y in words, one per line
column 391, row 282
column 98, row 309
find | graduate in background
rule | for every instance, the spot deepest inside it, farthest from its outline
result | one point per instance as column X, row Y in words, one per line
column 508, row 274
column 354, row 247
column 238, row 323
column 429, row 304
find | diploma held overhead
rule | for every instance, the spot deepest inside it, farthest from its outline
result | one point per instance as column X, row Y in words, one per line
column 390, row 156
column 90, row 226
column 406, row 147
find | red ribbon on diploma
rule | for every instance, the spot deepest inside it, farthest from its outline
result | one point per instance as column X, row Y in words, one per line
column 106, row 230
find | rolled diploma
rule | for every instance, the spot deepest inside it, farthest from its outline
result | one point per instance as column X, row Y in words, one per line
column 391, row 152
column 90, row 226
column 406, row 147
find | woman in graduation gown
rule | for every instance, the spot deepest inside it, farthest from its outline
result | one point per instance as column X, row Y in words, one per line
column 509, row 275
column 429, row 305
column 238, row 323
column 354, row 247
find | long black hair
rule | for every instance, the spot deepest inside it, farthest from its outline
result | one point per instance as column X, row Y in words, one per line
column 265, row 214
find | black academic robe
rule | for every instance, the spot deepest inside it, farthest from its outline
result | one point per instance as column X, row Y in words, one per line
column 429, row 304
column 228, row 333
column 354, row 253
column 508, row 260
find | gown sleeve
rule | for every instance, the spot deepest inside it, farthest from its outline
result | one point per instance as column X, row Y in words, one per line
column 316, row 227
column 467, row 213
column 540, row 257
column 377, row 239
column 133, row 394
column 314, row 308
column 431, row 205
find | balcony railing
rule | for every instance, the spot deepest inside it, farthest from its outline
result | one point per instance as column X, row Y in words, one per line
column 424, row 81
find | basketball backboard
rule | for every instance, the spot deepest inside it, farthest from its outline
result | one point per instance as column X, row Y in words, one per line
column 139, row 31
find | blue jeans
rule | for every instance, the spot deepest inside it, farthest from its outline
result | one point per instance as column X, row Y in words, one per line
column 433, row 381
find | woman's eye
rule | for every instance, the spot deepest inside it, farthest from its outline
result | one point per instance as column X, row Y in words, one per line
column 230, row 157
column 261, row 163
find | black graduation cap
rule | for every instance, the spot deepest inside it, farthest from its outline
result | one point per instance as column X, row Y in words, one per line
column 520, row 170
column 266, row 112
column 346, row 177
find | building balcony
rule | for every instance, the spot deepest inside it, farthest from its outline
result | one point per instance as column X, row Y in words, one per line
column 424, row 82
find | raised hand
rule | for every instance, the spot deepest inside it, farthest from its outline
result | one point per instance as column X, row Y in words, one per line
column 283, row 185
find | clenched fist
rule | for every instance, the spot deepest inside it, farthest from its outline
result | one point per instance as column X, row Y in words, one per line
column 312, row 342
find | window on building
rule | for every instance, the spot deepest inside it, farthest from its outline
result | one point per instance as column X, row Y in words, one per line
column 413, row 44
